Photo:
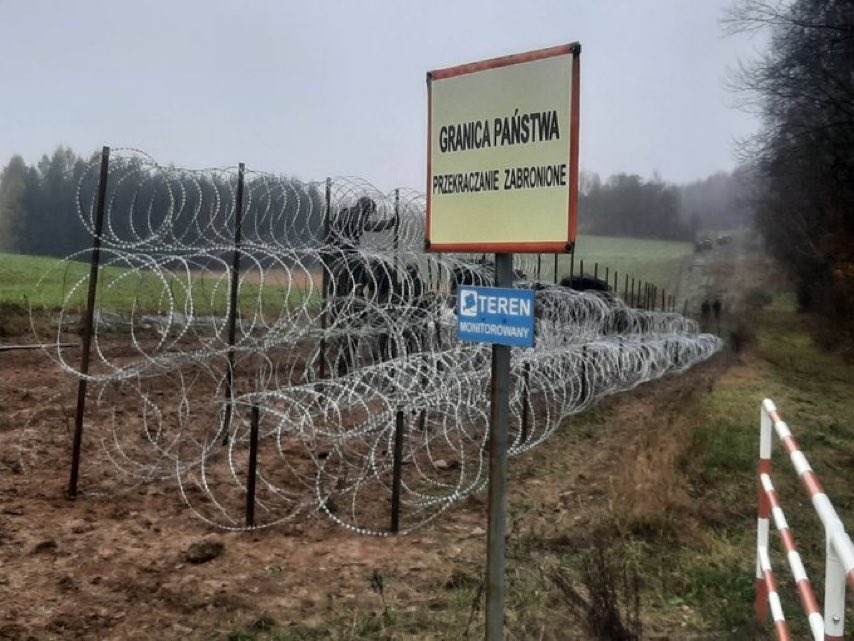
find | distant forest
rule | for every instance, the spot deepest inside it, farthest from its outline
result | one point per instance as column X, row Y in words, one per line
column 38, row 205
column 628, row 205
column 38, row 213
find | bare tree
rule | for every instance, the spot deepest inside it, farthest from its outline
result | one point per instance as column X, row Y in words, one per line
column 803, row 87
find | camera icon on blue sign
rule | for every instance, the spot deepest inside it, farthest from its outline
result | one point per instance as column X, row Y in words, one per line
column 468, row 303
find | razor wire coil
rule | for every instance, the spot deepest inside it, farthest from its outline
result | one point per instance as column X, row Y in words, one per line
column 335, row 335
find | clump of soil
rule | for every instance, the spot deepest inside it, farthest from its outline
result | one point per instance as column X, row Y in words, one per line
column 204, row 551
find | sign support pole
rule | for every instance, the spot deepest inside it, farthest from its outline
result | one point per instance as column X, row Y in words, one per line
column 498, row 437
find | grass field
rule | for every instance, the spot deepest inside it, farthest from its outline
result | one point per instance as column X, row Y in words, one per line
column 656, row 262
column 653, row 261
column 46, row 282
column 49, row 283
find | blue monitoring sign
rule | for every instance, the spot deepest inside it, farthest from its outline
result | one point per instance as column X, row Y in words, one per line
column 496, row 315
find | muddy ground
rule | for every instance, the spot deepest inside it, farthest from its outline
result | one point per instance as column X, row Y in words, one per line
column 122, row 567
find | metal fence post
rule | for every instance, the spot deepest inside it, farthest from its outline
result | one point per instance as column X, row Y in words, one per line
column 438, row 321
column 397, row 471
column 253, row 465
column 834, row 593
column 584, row 385
column 88, row 320
column 526, row 399
column 324, row 294
column 397, row 279
column 233, row 303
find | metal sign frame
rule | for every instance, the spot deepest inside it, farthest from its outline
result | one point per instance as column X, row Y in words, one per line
column 550, row 245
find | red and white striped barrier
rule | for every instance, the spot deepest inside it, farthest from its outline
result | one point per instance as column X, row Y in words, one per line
column 839, row 558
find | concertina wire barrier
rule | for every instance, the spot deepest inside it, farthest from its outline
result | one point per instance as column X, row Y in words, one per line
column 347, row 354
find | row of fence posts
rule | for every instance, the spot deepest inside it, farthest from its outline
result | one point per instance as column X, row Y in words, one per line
column 644, row 295
column 231, row 323
column 397, row 453
column 636, row 293
column 89, row 316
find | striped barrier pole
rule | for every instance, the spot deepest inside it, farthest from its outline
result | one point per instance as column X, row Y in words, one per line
column 839, row 561
column 805, row 589
column 763, row 521
column 773, row 596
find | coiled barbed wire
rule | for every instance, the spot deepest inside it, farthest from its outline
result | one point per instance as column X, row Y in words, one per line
column 338, row 332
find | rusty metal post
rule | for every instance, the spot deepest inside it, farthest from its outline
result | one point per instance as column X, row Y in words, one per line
column 397, row 471
column 572, row 265
column 88, row 321
column 539, row 267
column 397, row 279
column 252, row 474
column 584, row 386
column 438, row 321
column 555, row 274
column 526, row 400
column 324, row 294
column 233, row 303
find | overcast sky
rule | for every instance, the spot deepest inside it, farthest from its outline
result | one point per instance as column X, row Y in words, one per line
column 319, row 88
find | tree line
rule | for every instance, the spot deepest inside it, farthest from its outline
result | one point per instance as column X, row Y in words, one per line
column 38, row 206
column 803, row 155
column 628, row 205
column 38, row 213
